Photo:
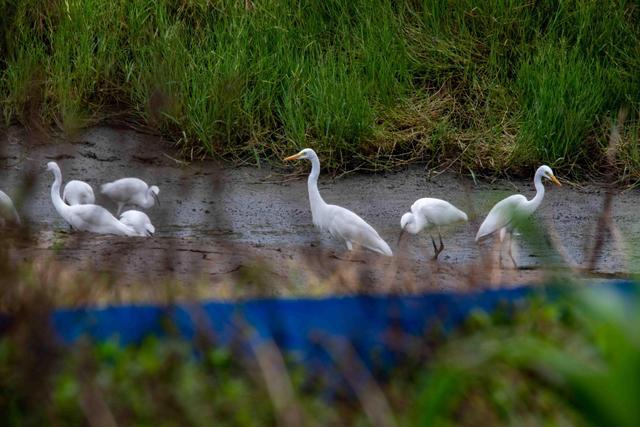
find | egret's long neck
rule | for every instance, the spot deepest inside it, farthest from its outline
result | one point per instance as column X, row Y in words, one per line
column 315, row 199
column 58, row 203
column 149, row 200
column 535, row 202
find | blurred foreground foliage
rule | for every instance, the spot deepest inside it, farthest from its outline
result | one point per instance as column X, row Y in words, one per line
column 575, row 361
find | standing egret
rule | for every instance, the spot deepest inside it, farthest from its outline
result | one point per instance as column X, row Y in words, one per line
column 8, row 212
column 430, row 213
column 340, row 222
column 504, row 216
column 92, row 218
column 131, row 191
column 78, row 193
column 139, row 221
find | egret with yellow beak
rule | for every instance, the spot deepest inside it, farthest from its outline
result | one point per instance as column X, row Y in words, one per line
column 504, row 215
column 340, row 222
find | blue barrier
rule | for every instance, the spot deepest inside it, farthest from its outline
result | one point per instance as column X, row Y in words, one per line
column 286, row 321
column 303, row 328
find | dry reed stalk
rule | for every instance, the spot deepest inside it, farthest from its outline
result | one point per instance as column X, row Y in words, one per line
column 605, row 221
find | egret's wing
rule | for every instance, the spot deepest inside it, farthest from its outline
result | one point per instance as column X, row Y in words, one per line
column 86, row 193
column 88, row 197
column 123, row 188
column 500, row 215
column 139, row 221
column 350, row 227
column 432, row 208
column 128, row 216
column 97, row 219
column 347, row 225
column 91, row 215
column 437, row 211
column 78, row 192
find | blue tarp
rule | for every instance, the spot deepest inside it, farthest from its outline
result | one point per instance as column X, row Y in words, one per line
column 287, row 321
column 305, row 328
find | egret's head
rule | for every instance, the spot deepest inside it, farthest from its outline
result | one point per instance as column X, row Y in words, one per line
column 155, row 191
column 547, row 173
column 406, row 220
column 307, row 153
column 407, row 223
column 53, row 167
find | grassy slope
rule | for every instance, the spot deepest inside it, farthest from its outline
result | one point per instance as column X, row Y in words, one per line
column 494, row 85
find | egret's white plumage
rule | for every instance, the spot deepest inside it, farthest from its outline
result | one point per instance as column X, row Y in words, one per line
column 8, row 211
column 92, row 218
column 504, row 215
column 429, row 213
column 78, row 193
column 131, row 192
column 338, row 221
column 139, row 221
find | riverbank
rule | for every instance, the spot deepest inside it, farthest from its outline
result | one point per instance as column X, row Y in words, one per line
column 370, row 85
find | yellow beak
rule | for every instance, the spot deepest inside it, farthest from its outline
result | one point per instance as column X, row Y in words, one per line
column 294, row 157
column 555, row 181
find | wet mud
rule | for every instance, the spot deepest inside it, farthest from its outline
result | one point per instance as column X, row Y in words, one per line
column 221, row 225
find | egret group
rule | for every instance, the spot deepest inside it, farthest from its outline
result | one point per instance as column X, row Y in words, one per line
column 77, row 207
column 426, row 214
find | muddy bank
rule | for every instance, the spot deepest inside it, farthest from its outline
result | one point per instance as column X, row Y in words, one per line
column 215, row 222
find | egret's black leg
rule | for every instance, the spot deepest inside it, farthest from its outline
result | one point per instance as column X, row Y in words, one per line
column 437, row 249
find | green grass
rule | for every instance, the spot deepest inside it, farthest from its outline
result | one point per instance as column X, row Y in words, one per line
column 496, row 85
column 556, row 107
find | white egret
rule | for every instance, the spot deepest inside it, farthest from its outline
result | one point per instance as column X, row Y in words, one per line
column 78, row 193
column 430, row 213
column 504, row 216
column 139, row 221
column 131, row 191
column 8, row 211
column 92, row 218
column 338, row 221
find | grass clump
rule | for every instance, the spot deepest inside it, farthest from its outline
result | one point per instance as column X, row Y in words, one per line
column 561, row 94
column 356, row 80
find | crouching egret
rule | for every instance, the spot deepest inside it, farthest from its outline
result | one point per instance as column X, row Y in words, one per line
column 504, row 216
column 8, row 211
column 92, row 218
column 131, row 192
column 338, row 221
column 139, row 222
column 78, row 193
column 430, row 213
